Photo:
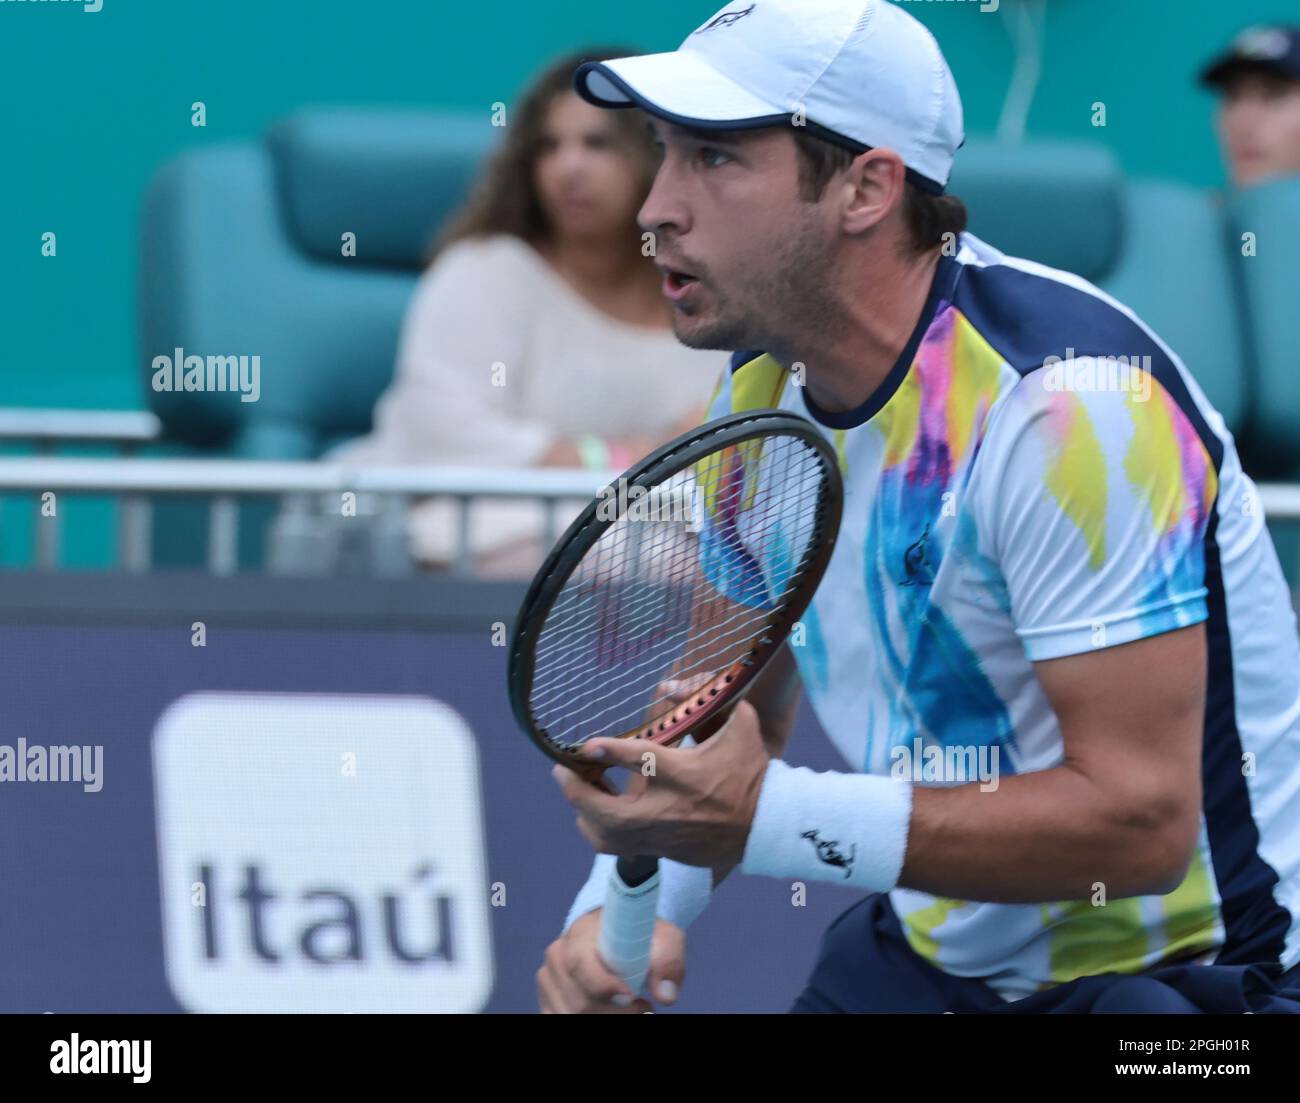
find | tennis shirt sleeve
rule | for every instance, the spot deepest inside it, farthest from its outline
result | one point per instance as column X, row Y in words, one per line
column 1095, row 505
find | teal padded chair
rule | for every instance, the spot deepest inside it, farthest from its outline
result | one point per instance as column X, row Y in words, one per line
column 1271, row 308
column 1271, row 305
column 242, row 254
column 1156, row 247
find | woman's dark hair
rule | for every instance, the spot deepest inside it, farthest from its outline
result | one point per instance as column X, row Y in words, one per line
column 929, row 217
column 504, row 197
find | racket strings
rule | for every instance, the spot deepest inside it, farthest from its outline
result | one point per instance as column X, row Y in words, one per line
column 581, row 607
column 729, row 639
column 743, row 634
column 686, row 597
column 691, row 661
column 738, row 622
column 564, row 617
column 585, row 602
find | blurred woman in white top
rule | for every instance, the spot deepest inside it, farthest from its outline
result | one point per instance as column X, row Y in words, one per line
column 539, row 335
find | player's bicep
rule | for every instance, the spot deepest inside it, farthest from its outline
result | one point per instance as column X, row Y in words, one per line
column 1131, row 719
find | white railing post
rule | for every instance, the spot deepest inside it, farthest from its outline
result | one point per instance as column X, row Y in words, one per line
column 135, row 523
column 223, row 535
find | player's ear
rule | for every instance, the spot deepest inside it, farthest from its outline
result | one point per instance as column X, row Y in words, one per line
column 874, row 185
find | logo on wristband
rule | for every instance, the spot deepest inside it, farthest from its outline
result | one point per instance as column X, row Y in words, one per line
column 828, row 850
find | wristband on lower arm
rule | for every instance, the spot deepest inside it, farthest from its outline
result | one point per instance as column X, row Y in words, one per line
column 592, row 894
column 848, row 828
column 684, row 891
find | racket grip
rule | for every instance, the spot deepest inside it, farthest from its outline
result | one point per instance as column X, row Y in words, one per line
column 627, row 923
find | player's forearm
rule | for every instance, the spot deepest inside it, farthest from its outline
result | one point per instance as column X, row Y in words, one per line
column 1050, row 835
column 775, row 696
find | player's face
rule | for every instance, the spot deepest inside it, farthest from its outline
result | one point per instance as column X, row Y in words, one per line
column 725, row 210
column 586, row 181
column 1259, row 124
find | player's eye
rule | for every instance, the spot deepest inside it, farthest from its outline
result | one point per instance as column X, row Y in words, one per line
column 712, row 157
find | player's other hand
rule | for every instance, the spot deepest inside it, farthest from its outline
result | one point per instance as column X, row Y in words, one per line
column 573, row 980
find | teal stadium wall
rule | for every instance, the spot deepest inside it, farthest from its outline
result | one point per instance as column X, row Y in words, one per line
column 94, row 103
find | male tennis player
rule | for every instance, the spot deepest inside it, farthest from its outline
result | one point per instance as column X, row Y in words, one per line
column 1050, row 561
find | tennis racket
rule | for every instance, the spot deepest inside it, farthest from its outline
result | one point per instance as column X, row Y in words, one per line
column 691, row 570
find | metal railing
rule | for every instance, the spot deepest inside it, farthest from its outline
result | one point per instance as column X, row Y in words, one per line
column 47, row 428
column 137, row 482
column 224, row 482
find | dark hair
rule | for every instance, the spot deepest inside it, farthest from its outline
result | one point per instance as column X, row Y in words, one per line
column 504, row 197
column 929, row 217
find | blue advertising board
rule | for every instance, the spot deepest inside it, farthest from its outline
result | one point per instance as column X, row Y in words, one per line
column 305, row 796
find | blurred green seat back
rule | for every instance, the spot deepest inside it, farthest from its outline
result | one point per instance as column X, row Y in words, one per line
column 242, row 254
column 1156, row 247
column 1270, row 305
column 1270, row 296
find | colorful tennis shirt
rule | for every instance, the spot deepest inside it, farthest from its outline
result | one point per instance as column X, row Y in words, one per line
column 1039, row 476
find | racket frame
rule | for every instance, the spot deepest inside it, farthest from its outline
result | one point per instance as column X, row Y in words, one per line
column 729, row 685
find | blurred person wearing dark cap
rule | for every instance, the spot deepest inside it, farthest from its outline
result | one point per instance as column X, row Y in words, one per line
column 1258, row 79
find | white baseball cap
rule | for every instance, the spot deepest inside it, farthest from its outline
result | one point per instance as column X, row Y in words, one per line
column 862, row 73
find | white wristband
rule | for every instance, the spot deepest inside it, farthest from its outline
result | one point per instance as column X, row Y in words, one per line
column 592, row 894
column 847, row 828
column 684, row 891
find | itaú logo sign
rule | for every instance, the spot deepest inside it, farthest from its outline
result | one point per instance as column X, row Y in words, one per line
column 321, row 853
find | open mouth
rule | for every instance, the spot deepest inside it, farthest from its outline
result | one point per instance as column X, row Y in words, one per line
column 677, row 280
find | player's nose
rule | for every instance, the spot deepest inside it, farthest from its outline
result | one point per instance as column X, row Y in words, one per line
column 664, row 209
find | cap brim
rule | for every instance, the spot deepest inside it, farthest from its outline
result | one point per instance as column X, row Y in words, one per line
column 683, row 88
column 1222, row 71
column 680, row 87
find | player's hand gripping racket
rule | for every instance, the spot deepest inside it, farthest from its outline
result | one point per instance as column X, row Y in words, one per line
column 692, row 570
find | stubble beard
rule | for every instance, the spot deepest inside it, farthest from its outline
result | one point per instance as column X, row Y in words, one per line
column 775, row 309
